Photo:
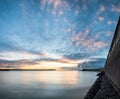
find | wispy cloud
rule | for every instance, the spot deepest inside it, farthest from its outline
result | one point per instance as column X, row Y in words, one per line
column 116, row 8
column 101, row 9
column 111, row 22
column 17, row 55
column 24, row 8
column 55, row 3
column 58, row 6
column 46, row 63
column 15, row 63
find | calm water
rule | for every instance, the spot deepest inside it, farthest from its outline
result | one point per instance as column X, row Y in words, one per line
column 45, row 84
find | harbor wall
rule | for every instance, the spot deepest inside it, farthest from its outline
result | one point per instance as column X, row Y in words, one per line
column 112, row 65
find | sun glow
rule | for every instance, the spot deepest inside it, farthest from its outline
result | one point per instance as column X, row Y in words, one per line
column 53, row 64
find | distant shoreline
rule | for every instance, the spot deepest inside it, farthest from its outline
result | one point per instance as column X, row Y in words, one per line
column 27, row 69
column 97, row 69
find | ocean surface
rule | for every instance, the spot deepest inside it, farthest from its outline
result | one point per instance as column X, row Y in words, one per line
column 45, row 84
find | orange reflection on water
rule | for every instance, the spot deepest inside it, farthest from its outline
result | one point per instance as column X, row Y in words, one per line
column 64, row 77
column 51, row 77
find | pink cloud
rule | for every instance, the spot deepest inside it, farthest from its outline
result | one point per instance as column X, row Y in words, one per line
column 80, row 40
column 99, row 44
column 55, row 3
column 80, row 35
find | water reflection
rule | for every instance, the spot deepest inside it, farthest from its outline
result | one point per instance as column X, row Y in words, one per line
column 45, row 84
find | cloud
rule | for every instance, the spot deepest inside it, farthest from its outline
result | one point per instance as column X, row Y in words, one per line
column 64, row 31
column 101, row 9
column 77, row 10
column 55, row 3
column 17, row 55
column 38, row 63
column 65, row 59
column 82, row 39
column 56, row 8
column 50, row 55
column 60, row 12
column 101, row 18
column 116, row 8
column 109, row 22
column 16, row 63
column 109, row 33
column 45, row 60
column 77, row 56
column 99, row 44
column 24, row 8
column 80, row 35
column 92, row 64
column 94, row 45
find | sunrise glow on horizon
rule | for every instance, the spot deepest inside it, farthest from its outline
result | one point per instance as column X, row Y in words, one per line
column 55, row 34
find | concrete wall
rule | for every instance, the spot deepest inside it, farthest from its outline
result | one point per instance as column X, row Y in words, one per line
column 112, row 66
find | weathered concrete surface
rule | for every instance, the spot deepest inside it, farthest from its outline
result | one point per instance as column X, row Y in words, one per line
column 112, row 66
column 102, row 89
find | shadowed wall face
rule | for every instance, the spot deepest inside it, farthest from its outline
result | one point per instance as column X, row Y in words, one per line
column 112, row 67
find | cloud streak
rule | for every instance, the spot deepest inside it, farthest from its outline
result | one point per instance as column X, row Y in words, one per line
column 58, row 31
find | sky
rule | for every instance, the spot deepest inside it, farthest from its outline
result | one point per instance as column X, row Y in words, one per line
column 47, row 34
